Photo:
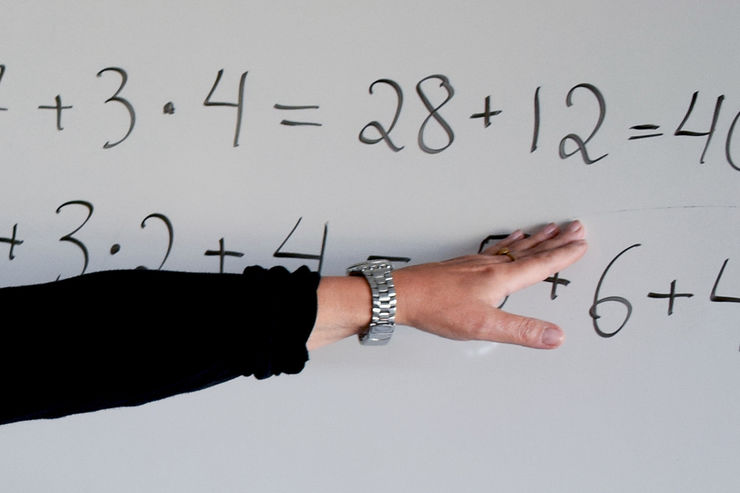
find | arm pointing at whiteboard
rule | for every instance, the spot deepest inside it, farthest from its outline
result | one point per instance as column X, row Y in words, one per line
column 147, row 335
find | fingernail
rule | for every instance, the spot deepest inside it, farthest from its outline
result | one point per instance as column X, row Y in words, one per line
column 516, row 235
column 575, row 226
column 552, row 336
column 550, row 229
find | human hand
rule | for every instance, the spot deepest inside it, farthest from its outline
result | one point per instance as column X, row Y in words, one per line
column 457, row 298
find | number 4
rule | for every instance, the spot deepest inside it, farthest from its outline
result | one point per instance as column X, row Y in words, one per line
column 690, row 133
column 239, row 105
column 308, row 256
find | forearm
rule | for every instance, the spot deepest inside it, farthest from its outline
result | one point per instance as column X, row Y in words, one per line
column 344, row 307
column 203, row 329
column 343, row 310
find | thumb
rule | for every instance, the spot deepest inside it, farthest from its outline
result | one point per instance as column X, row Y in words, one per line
column 524, row 331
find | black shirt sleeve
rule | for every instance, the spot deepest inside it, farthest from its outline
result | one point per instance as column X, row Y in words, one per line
column 124, row 338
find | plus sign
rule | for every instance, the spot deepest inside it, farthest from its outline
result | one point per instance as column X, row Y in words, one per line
column 13, row 242
column 671, row 296
column 487, row 113
column 58, row 107
column 222, row 253
column 555, row 280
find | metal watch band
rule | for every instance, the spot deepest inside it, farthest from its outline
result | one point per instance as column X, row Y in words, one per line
column 379, row 276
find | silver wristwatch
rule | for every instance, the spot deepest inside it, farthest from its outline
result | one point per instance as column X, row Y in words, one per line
column 379, row 275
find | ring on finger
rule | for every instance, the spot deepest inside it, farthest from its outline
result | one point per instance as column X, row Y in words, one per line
column 507, row 252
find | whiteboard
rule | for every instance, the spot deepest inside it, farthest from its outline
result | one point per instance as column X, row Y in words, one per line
column 481, row 137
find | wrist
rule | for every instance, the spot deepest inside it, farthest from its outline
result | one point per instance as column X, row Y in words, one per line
column 403, row 297
column 345, row 307
column 344, row 310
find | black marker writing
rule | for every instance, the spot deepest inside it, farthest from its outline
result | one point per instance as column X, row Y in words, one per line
column 645, row 126
column 671, row 296
column 222, row 253
column 58, row 108
column 721, row 299
column 433, row 113
column 239, row 105
column 728, row 142
column 71, row 239
column 580, row 143
column 170, row 235
column 12, row 241
column 487, row 113
column 536, row 125
column 710, row 132
column 307, row 256
column 556, row 281
column 116, row 98
column 293, row 123
column 618, row 299
column 384, row 134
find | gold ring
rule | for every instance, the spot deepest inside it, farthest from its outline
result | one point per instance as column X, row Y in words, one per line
column 507, row 252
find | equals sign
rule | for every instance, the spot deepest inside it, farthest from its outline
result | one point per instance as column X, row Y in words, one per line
column 645, row 127
column 293, row 123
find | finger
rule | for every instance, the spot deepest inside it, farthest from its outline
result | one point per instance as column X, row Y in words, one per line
column 524, row 331
column 516, row 235
column 571, row 232
column 517, row 246
column 538, row 266
column 549, row 231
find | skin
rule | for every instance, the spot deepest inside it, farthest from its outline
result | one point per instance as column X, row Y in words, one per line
column 457, row 298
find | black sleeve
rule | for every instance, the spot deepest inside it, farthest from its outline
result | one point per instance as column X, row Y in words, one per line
column 123, row 338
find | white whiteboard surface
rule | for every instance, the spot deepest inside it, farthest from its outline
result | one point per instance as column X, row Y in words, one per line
column 654, row 407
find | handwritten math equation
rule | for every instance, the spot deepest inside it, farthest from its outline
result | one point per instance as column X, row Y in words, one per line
column 571, row 145
column 669, row 295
